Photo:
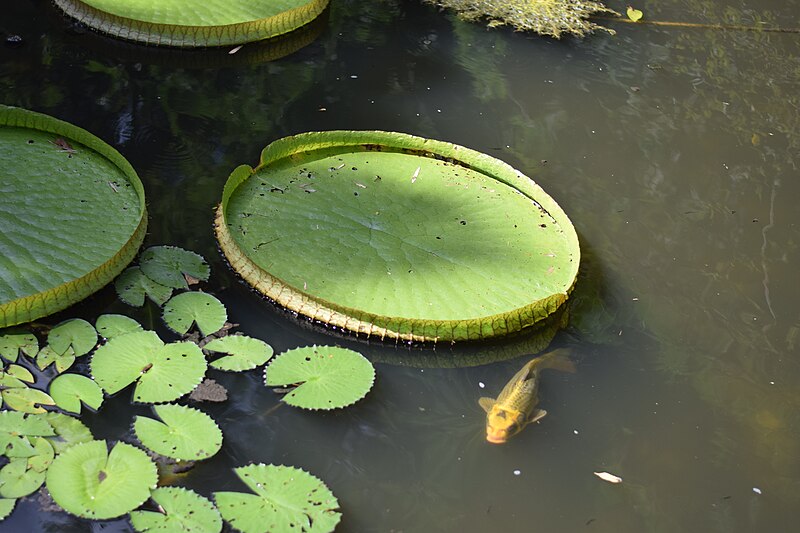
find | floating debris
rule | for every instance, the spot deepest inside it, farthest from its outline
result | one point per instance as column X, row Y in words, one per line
column 611, row 478
column 545, row 17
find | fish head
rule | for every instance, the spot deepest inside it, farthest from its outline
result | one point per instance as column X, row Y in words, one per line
column 502, row 424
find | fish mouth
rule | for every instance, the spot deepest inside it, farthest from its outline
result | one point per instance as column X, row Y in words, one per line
column 495, row 440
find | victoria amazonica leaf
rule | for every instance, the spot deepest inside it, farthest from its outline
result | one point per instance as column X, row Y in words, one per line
column 184, row 512
column 284, row 499
column 199, row 308
column 396, row 236
column 72, row 214
column 244, row 353
column 187, row 23
column 327, row 377
column 89, row 481
column 183, row 433
column 163, row 372
column 167, row 265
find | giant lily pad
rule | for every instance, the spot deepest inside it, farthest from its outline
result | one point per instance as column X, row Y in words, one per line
column 187, row 23
column 72, row 215
column 285, row 499
column 88, row 481
column 396, row 236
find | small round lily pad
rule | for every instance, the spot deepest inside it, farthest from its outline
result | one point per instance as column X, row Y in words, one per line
column 72, row 213
column 16, row 340
column 199, row 308
column 394, row 236
column 89, row 481
column 74, row 333
column 109, row 326
column 244, row 353
column 184, row 511
column 18, row 480
column 170, row 266
column 327, row 377
column 284, row 499
column 183, row 433
column 132, row 286
column 65, row 431
column 69, row 391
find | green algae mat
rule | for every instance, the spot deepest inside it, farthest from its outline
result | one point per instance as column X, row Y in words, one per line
column 189, row 23
column 394, row 236
column 72, row 214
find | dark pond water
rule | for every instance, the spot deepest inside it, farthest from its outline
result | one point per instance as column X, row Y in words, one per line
column 675, row 152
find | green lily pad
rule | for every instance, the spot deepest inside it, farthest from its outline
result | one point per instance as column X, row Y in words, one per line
column 244, row 353
column 18, row 480
column 109, row 326
column 390, row 235
column 327, row 377
column 66, row 431
column 6, row 507
column 165, row 372
column 184, row 433
column 15, row 430
column 14, row 340
column 26, row 400
column 82, row 219
column 184, row 512
column 20, row 373
column 69, row 390
column 168, row 266
column 285, row 499
column 44, row 454
column 132, row 286
column 185, row 23
column 74, row 333
column 198, row 308
column 7, row 381
column 88, row 481
column 47, row 356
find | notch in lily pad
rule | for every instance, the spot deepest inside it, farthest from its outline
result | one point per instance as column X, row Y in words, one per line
column 133, row 285
column 183, row 433
column 198, row 308
column 69, row 391
column 89, row 481
column 76, row 334
column 16, row 340
column 326, row 377
column 243, row 353
column 180, row 511
column 163, row 372
column 284, row 499
column 173, row 267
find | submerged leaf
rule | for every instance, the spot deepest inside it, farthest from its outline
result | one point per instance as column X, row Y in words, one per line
column 132, row 286
column 245, row 353
column 184, row 433
column 284, row 499
column 17, row 480
column 168, row 264
column 189, row 308
column 15, row 340
column 88, row 481
column 328, row 376
column 74, row 333
column 69, row 390
column 115, row 325
column 184, row 511
column 634, row 14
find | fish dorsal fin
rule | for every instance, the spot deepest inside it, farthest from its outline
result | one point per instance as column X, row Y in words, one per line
column 487, row 403
column 537, row 415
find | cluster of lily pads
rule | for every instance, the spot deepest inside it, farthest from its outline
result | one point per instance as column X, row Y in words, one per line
column 41, row 444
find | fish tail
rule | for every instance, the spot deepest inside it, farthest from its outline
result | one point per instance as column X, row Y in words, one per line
column 556, row 360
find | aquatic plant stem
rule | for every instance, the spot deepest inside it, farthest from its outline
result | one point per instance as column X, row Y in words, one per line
column 701, row 25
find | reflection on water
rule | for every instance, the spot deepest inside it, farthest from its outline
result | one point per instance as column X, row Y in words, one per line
column 675, row 153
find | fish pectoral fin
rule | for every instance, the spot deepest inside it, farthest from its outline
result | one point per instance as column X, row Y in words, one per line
column 536, row 416
column 486, row 403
